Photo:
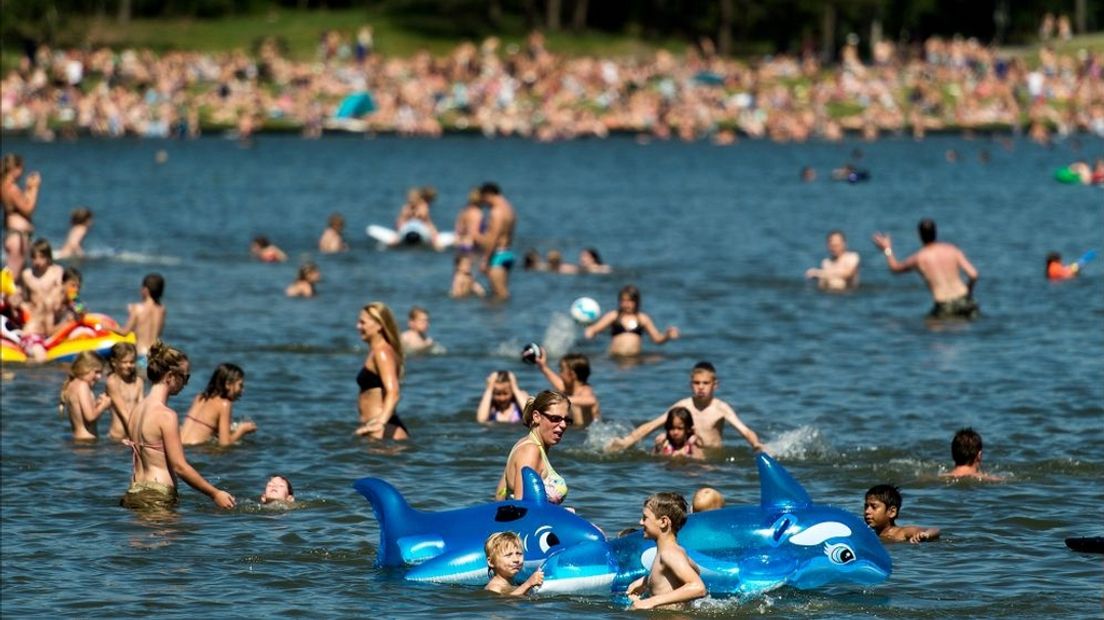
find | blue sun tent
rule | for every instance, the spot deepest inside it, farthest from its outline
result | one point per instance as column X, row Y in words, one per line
column 356, row 105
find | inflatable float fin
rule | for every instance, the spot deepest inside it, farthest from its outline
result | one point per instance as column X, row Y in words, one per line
column 392, row 512
column 777, row 488
column 534, row 487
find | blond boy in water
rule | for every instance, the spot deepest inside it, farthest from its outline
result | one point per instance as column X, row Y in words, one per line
column 674, row 579
column 505, row 559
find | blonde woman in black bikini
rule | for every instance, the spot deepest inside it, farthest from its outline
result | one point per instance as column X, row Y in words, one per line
column 378, row 378
column 210, row 416
column 154, row 438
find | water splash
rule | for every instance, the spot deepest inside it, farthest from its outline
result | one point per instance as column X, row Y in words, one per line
column 560, row 335
column 798, row 444
column 126, row 256
column 601, row 433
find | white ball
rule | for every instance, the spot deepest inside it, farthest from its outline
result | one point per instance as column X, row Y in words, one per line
column 585, row 310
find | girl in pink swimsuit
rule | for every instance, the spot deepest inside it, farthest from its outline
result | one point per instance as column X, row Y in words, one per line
column 678, row 438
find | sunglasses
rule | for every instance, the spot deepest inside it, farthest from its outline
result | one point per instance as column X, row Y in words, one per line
column 556, row 419
column 184, row 378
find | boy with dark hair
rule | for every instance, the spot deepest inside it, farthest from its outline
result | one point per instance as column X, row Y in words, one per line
column 147, row 318
column 880, row 511
column 966, row 452
column 572, row 380
column 674, row 578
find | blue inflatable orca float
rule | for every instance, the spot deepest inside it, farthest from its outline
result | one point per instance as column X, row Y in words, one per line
column 447, row 547
column 785, row 540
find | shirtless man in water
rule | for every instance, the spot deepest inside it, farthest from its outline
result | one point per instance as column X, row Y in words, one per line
column 840, row 271
column 498, row 258
column 709, row 413
column 938, row 263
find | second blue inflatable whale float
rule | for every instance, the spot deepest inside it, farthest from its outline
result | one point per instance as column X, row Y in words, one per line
column 785, row 540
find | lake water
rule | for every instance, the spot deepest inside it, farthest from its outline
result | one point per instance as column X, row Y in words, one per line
column 848, row 390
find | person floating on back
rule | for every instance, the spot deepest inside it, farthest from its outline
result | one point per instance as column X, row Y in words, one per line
column 505, row 559
column 674, row 579
column 966, row 452
column 939, row 264
column 880, row 511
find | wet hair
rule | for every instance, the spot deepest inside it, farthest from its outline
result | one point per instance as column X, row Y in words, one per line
column 532, row 260
column 10, row 162
column 262, row 241
column 490, row 188
column 428, row 193
column 474, row 196
column 163, row 360
column 380, row 312
column 80, row 215
column 632, row 293
column 704, row 366
column 670, row 505
column 499, row 542
column 415, row 311
column 42, row 248
column 926, row 228
column 502, row 376
column 71, row 274
column 887, row 494
column 85, row 361
column 1052, row 257
column 679, row 413
column 594, row 254
column 219, row 385
column 286, row 481
column 966, row 446
column 306, row 269
column 579, row 364
column 120, row 350
column 707, row 498
column 541, row 402
column 836, row 231
column 336, row 221
column 155, row 284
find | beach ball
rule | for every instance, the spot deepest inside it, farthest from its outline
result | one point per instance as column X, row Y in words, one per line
column 585, row 310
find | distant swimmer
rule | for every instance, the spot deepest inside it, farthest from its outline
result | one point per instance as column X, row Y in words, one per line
column 380, row 374
column 966, row 453
column 850, row 174
column 265, row 251
column 19, row 207
column 332, row 241
column 590, row 261
column 840, row 271
column 572, row 380
column 303, row 286
column 1055, row 270
column 469, row 223
column 147, row 318
column 416, row 209
column 498, row 258
column 556, row 264
column 628, row 325
column 939, row 264
column 416, row 338
column 464, row 283
column 80, row 221
column 881, row 507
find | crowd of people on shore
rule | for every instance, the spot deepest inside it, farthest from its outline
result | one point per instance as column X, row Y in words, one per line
column 526, row 90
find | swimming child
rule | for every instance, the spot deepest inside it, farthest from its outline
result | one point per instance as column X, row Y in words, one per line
column 303, row 286
column 331, row 241
column 124, row 387
column 416, row 338
column 678, row 438
column 503, row 401
column 463, row 282
column 265, row 251
column 1055, row 270
column 278, row 489
column 674, row 578
column 211, row 412
column 706, row 499
column 147, row 318
column 77, row 399
column 80, row 220
column 557, row 265
column 591, row 262
column 505, row 559
column 572, row 380
column 72, row 308
column 966, row 452
column 880, row 511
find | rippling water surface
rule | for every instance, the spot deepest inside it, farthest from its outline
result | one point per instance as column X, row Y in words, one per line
column 849, row 390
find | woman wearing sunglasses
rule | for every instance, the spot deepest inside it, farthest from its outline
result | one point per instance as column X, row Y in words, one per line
column 547, row 416
column 154, row 437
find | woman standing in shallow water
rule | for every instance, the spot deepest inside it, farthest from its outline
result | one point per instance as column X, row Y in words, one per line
column 154, row 437
column 378, row 378
column 628, row 324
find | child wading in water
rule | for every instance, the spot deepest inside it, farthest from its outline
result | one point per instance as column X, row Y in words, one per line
column 147, row 318
column 211, row 411
column 77, row 398
column 880, row 511
column 674, row 578
column 505, row 559
column 124, row 387
column 572, row 380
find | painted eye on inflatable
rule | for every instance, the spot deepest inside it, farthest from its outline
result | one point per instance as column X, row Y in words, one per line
column 839, row 553
column 548, row 540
